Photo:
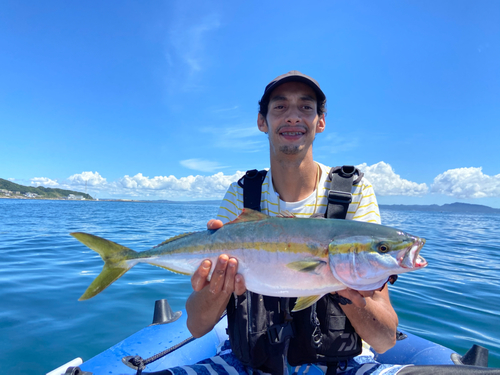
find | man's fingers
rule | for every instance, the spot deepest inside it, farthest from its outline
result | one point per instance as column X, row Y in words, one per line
column 232, row 268
column 367, row 293
column 234, row 281
column 355, row 296
column 239, row 285
column 199, row 278
column 219, row 275
column 358, row 301
column 225, row 277
column 214, row 224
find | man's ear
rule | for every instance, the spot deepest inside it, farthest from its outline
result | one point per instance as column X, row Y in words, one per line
column 262, row 123
column 321, row 124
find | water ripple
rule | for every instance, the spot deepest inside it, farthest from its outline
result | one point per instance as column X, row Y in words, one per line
column 454, row 301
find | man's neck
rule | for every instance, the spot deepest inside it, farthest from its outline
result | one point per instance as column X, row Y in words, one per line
column 294, row 180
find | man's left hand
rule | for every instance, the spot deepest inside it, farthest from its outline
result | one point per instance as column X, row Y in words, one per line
column 356, row 296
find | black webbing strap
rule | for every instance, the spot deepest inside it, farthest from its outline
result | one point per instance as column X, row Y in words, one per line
column 251, row 183
column 339, row 196
column 138, row 363
column 279, row 333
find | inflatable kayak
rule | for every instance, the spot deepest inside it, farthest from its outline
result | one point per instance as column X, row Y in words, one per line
column 169, row 339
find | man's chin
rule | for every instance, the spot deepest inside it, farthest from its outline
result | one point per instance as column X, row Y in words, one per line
column 290, row 150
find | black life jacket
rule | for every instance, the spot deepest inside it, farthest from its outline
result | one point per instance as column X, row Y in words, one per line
column 262, row 331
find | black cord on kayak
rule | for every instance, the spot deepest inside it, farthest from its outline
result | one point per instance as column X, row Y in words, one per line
column 137, row 362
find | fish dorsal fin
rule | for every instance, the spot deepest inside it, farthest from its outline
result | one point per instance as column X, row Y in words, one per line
column 174, row 238
column 248, row 215
column 286, row 214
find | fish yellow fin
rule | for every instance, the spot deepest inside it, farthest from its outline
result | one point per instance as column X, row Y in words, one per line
column 115, row 258
column 306, row 265
column 248, row 215
column 174, row 238
column 107, row 276
column 304, row 302
column 172, row 270
column 286, row 214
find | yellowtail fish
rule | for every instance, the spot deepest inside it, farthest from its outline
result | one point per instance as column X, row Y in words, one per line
column 282, row 257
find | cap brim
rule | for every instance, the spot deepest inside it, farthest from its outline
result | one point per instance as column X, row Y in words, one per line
column 320, row 96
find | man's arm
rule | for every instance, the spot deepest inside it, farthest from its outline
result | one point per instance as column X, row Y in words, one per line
column 371, row 313
column 372, row 316
column 209, row 299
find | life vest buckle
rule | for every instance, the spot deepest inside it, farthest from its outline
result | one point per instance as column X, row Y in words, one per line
column 342, row 197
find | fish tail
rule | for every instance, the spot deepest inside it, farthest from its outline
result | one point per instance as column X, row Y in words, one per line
column 115, row 258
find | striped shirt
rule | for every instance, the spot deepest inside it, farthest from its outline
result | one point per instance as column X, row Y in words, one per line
column 363, row 207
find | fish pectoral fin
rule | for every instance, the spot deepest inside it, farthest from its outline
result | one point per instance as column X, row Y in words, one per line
column 304, row 302
column 306, row 265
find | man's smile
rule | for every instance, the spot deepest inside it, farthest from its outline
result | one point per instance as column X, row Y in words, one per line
column 291, row 132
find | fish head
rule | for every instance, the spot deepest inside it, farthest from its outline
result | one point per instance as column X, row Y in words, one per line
column 366, row 262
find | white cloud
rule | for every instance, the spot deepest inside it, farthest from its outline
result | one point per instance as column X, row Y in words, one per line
column 239, row 132
column 233, row 108
column 187, row 48
column 241, row 137
column 171, row 187
column 336, row 143
column 467, row 183
column 44, row 181
column 201, row 165
column 143, row 187
column 87, row 178
column 459, row 183
column 386, row 182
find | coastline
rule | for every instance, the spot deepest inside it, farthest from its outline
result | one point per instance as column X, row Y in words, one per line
column 215, row 202
column 446, row 208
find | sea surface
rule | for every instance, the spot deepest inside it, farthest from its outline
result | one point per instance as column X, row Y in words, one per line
column 454, row 301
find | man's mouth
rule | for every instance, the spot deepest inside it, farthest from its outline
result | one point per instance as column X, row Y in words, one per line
column 292, row 132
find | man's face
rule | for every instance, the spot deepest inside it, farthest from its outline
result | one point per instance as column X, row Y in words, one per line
column 292, row 120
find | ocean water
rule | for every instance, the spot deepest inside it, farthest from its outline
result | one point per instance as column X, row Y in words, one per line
column 454, row 301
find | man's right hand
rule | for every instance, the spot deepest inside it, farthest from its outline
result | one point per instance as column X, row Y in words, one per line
column 210, row 297
column 225, row 279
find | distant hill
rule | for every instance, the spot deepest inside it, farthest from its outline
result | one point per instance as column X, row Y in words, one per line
column 452, row 207
column 42, row 192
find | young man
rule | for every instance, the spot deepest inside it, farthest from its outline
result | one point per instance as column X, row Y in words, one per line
column 292, row 112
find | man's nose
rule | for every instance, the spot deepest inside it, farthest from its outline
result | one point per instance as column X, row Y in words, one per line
column 293, row 115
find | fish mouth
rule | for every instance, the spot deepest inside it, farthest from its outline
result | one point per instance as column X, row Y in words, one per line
column 410, row 257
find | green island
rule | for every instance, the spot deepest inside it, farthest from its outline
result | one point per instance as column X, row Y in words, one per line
column 10, row 189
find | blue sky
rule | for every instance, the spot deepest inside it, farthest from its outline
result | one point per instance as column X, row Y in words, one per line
column 158, row 99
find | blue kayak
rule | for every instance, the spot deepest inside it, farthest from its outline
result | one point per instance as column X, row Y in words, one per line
column 169, row 331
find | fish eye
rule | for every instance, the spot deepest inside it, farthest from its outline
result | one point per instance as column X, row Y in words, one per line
column 383, row 247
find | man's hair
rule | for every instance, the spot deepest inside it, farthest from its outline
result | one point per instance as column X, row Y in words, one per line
column 264, row 107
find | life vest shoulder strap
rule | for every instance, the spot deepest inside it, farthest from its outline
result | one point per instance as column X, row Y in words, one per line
column 251, row 183
column 340, row 196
